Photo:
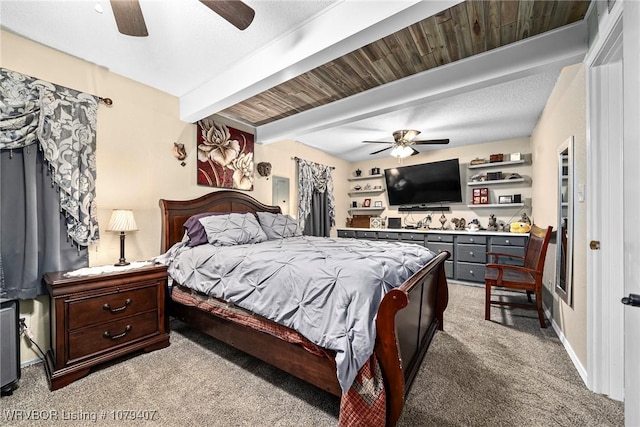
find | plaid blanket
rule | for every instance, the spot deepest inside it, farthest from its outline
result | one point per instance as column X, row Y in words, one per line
column 365, row 402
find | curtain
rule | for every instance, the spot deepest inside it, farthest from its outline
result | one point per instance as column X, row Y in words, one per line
column 316, row 203
column 47, row 203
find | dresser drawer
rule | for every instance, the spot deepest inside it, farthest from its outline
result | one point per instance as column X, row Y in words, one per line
column 471, row 253
column 346, row 233
column 508, row 241
column 112, row 306
column 470, row 272
column 366, row 234
column 512, row 250
column 413, row 237
column 87, row 341
column 440, row 247
column 476, row 240
column 388, row 235
column 440, row 238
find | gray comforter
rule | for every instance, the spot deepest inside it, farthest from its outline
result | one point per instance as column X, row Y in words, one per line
column 328, row 289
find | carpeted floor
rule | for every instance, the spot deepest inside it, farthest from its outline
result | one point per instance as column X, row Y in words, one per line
column 476, row 373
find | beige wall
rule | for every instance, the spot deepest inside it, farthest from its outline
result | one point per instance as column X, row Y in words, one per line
column 134, row 157
column 563, row 116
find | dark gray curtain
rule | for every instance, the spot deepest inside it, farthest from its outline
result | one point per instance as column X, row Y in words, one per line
column 33, row 231
column 318, row 223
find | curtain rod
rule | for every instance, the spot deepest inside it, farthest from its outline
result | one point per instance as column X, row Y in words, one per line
column 298, row 158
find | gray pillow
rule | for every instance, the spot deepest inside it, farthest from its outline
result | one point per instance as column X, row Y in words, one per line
column 279, row 226
column 232, row 229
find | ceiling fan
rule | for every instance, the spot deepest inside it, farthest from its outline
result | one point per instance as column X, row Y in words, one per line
column 130, row 21
column 403, row 141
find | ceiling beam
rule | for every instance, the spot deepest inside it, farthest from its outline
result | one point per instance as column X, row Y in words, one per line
column 557, row 48
column 343, row 28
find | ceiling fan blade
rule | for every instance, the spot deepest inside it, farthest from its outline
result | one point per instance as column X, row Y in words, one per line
column 414, row 151
column 129, row 19
column 380, row 151
column 236, row 12
column 378, row 142
column 431, row 141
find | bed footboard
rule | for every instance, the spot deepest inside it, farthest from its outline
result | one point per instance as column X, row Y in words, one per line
column 407, row 320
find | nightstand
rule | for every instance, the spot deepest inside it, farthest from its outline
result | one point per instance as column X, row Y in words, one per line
column 97, row 318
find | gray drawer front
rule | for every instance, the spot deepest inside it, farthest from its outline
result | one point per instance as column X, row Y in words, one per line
column 470, row 272
column 413, row 237
column 386, row 235
column 440, row 238
column 513, row 250
column 471, row 253
column 439, row 247
column 366, row 234
column 476, row 240
column 508, row 241
column 448, row 269
column 346, row 233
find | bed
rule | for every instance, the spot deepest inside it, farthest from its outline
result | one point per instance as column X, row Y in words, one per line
column 405, row 320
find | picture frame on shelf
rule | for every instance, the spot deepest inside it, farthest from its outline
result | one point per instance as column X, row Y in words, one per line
column 366, row 203
column 377, row 204
column 503, row 200
column 480, row 196
column 354, row 204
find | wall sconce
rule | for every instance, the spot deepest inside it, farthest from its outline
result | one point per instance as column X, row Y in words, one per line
column 122, row 220
column 179, row 152
column 264, row 169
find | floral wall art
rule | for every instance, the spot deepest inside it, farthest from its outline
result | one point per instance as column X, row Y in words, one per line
column 225, row 156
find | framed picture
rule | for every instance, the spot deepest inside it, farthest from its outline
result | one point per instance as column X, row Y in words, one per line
column 480, row 196
column 377, row 203
column 354, row 204
column 505, row 199
column 366, row 203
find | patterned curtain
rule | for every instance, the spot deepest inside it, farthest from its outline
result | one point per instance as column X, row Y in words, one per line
column 314, row 178
column 63, row 121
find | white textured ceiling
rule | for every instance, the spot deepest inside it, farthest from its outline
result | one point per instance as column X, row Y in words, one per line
column 194, row 54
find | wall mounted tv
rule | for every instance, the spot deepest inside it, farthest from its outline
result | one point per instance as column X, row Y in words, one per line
column 424, row 184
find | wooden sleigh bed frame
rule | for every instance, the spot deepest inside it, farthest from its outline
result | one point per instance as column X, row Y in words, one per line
column 406, row 322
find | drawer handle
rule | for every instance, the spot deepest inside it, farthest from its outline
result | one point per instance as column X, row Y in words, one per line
column 115, row 310
column 507, row 241
column 107, row 334
column 471, row 253
column 471, row 272
column 471, row 240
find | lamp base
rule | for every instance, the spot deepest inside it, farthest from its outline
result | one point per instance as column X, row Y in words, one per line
column 121, row 263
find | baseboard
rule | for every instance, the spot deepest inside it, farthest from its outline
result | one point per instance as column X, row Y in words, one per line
column 31, row 362
column 567, row 346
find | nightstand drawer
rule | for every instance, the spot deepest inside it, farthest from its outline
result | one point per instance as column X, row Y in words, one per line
column 108, row 307
column 88, row 341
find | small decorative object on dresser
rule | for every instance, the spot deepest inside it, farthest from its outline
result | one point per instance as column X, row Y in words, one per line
column 493, row 223
column 443, row 221
column 375, row 222
column 99, row 317
column 525, row 218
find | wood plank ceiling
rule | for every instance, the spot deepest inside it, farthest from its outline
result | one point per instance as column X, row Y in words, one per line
column 467, row 29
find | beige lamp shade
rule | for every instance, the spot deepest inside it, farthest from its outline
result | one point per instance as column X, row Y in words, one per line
column 122, row 220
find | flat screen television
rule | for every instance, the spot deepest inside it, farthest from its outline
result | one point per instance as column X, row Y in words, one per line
column 424, row 184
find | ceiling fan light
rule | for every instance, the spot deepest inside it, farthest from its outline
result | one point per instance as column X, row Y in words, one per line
column 401, row 151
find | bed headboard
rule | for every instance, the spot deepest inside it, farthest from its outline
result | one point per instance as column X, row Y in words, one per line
column 176, row 212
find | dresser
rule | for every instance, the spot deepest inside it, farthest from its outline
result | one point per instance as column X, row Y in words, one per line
column 468, row 249
column 100, row 317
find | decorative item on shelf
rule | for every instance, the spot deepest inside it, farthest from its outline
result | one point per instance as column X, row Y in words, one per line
column 480, row 177
column 360, row 221
column 179, row 152
column 394, row 222
column 515, row 157
column 520, row 227
column 525, row 218
column 375, row 222
column 264, row 169
column 427, row 221
column 494, row 176
column 443, row 221
column 493, row 223
column 354, row 204
column 480, row 196
column 358, row 172
column 512, row 175
column 478, row 161
column 517, row 198
column 357, row 188
column 122, row 220
column 366, row 203
column 377, row 187
column 347, row 223
column 494, row 158
column 503, row 200
column 474, row 225
column 459, row 224
column 375, row 171
column 367, row 187
column 377, row 204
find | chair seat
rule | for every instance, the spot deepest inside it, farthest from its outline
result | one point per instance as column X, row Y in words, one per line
column 511, row 276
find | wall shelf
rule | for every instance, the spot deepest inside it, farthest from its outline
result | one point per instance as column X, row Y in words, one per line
column 497, row 205
column 360, row 178
column 374, row 192
column 494, row 181
column 370, row 209
column 497, row 164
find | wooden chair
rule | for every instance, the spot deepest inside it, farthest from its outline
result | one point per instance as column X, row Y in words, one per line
column 527, row 277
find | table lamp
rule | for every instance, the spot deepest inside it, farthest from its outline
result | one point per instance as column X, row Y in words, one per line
column 122, row 220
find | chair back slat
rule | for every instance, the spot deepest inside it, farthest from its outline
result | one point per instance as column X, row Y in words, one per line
column 537, row 247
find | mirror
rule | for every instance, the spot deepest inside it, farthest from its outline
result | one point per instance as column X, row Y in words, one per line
column 564, row 242
column 280, row 193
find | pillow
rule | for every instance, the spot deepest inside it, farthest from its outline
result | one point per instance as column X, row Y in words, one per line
column 232, row 229
column 278, row 226
column 195, row 230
